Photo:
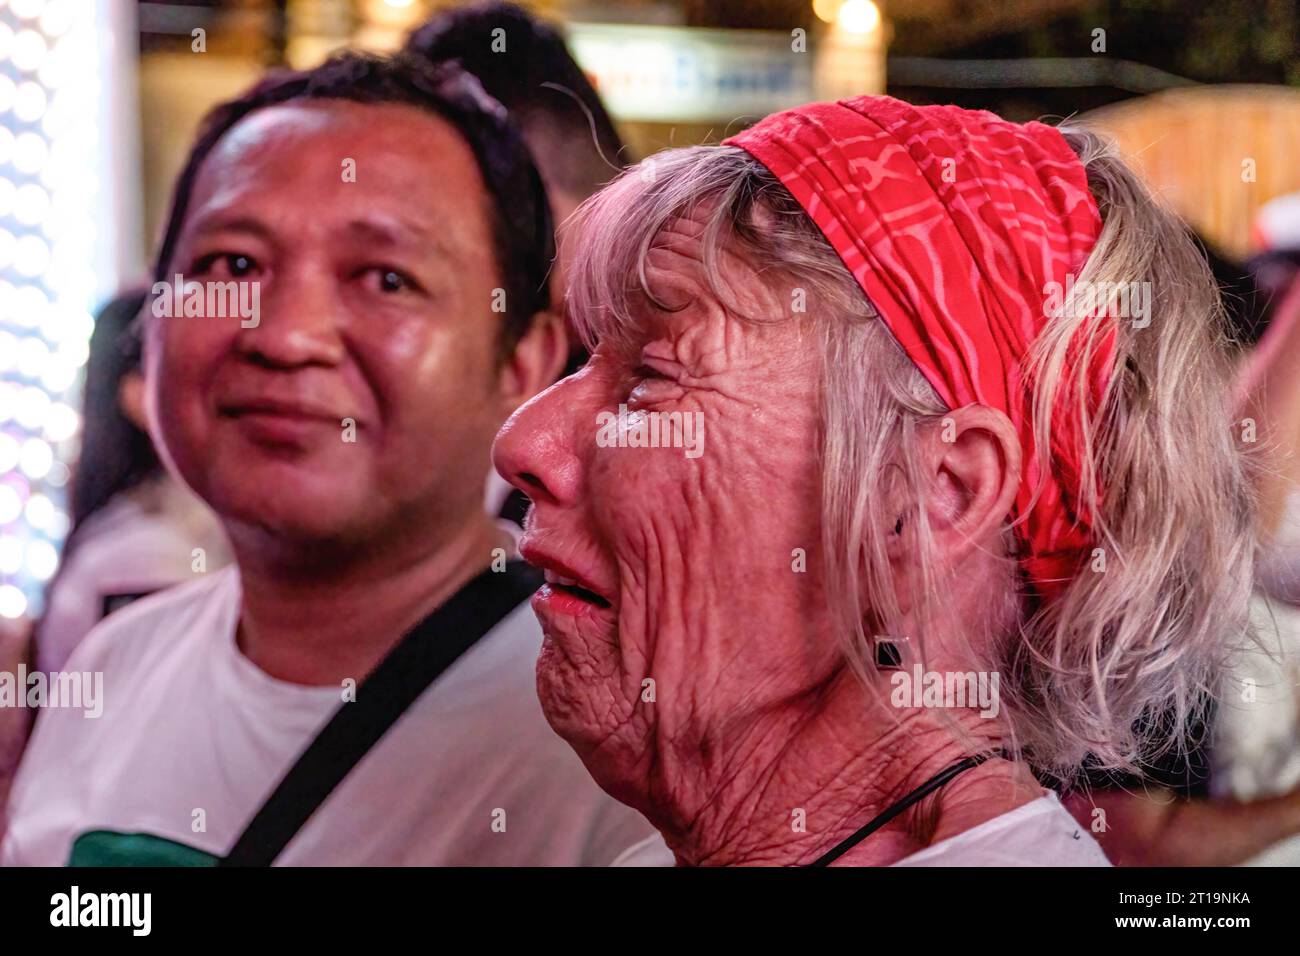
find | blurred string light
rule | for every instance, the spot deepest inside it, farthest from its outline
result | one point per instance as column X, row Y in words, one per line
column 52, row 162
column 851, row 16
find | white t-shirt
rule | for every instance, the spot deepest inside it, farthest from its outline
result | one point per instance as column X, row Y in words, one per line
column 193, row 737
column 1040, row 833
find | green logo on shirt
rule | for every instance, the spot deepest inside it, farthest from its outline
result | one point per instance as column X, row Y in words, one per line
column 108, row 848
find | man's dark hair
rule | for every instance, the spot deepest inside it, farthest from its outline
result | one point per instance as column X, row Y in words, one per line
column 523, row 232
column 546, row 93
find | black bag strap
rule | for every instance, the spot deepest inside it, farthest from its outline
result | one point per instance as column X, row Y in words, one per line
column 402, row 676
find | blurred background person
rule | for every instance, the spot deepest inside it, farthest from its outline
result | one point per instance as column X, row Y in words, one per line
column 1256, row 749
column 1269, row 389
column 1275, row 236
column 135, row 529
column 523, row 63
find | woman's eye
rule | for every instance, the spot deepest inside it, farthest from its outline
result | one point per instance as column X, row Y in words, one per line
column 233, row 265
column 650, row 385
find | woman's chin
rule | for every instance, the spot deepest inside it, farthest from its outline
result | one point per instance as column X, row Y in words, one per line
column 565, row 698
column 570, row 697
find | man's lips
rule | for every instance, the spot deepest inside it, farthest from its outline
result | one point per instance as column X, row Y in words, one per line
column 280, row 421
column 285, row 408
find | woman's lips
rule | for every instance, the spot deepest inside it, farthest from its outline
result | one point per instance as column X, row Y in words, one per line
column 567, row 590
column 556, row 599
column 572, row 587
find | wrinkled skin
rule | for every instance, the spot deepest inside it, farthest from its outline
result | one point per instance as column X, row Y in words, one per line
column 754, row 713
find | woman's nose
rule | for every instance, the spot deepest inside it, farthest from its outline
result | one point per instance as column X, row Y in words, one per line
column 538, row 448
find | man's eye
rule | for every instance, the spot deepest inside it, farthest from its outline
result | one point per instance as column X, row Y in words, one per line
column 390, row 281
column 234, row 265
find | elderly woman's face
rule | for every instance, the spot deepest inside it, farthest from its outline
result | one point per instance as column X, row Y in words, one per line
column 697, row 645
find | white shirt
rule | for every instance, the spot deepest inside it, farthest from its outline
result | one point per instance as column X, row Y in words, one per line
column 1039, row 833
column 194, row 737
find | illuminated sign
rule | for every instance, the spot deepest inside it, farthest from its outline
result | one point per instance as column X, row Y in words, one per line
column 681, row 74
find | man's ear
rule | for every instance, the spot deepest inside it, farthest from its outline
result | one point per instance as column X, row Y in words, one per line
column 970, row 461
column 536, row 361
column 131, row 399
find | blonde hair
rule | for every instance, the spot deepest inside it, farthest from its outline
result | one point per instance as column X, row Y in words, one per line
column 1116, row 668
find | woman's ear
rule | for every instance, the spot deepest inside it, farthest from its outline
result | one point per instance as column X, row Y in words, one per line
column 970, row 472
column 536, row 362
column 973, row 461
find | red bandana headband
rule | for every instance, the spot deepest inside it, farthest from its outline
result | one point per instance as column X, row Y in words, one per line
column 955, row 223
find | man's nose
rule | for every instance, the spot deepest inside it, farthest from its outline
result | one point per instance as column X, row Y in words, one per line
column 298, row 321
column 538, row 450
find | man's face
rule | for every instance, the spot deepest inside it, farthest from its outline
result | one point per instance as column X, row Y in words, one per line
column 363, row 402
